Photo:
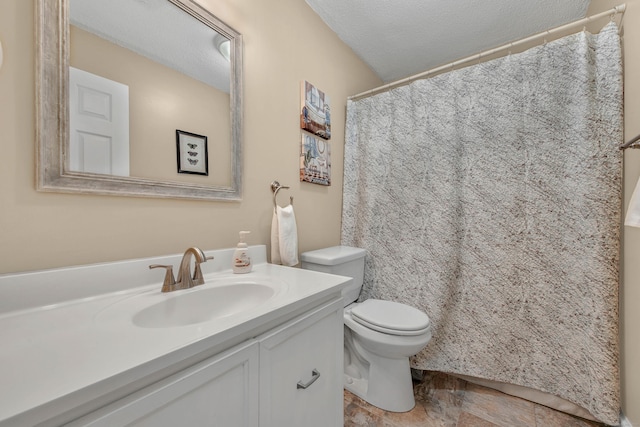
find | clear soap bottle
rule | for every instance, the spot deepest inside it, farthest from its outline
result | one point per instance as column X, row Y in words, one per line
column 241, row 259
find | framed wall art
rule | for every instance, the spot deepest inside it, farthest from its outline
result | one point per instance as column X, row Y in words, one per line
column 315, row 160
column 315, row 113
column 193, row 155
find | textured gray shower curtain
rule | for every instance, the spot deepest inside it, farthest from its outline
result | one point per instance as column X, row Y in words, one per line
column 490, row 198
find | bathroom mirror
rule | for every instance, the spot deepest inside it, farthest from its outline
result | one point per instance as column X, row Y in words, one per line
column 155, row 164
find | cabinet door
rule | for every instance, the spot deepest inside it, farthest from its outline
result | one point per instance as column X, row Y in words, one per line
column 301, row 371
column 220, row 391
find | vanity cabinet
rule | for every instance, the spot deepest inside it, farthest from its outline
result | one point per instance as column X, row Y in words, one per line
column 80, row 357
column 220, row 391
column 288, row 376
column 301, row 371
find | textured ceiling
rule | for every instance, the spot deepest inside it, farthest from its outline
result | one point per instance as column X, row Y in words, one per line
column 395, row 38
column 405, row 37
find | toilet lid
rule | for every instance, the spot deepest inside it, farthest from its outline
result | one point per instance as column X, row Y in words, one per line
column 390, row 317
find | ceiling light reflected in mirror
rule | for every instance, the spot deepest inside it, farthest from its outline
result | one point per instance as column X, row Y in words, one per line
column 224, row 46
column 159, row 31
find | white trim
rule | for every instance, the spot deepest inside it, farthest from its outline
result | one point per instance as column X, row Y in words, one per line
column 624, row 421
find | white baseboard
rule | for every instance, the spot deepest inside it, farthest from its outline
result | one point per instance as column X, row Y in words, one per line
column 624, row 421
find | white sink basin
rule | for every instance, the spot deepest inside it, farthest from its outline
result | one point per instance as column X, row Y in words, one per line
column 223, row 297
column 202, row 305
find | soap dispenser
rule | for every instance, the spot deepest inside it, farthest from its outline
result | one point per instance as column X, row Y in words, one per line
column 241, row 260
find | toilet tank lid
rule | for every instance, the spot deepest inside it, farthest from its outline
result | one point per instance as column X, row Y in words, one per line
column 333, row 255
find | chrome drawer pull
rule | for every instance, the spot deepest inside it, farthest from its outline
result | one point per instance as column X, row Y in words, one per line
column 314, row 376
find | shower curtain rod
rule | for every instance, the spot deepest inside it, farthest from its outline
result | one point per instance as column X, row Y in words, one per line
column 634, row 143
column 618, row 9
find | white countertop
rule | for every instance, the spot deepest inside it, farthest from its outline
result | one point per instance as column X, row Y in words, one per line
column 68, row 354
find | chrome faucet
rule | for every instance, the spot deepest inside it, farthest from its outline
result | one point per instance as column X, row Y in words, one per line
column 185, row 280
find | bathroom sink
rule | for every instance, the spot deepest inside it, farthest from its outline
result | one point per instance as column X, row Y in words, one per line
column 220, row 297
column 196, row 305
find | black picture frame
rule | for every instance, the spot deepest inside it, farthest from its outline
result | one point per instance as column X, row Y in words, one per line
column 192, row 153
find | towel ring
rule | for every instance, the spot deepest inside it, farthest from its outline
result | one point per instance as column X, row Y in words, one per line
column 275, row 187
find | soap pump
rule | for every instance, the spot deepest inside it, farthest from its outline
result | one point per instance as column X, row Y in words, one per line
column 241, row 260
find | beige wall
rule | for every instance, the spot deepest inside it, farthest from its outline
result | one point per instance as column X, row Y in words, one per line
column 285, row 42
column 630, row 290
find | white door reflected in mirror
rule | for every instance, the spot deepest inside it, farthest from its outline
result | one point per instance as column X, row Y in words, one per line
column 98, row 124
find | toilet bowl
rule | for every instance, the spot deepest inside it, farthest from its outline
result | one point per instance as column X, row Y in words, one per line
column 379, row 336
column 376, row 362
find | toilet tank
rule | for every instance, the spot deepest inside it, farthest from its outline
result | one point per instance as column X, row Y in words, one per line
column 341, row 260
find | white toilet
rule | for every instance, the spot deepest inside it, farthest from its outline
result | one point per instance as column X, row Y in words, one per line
column 379, row 336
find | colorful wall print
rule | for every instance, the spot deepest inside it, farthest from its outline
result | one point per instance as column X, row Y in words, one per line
column 315, row 160
column 315, row 114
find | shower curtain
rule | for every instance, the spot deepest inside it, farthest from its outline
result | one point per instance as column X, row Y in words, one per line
column 489, row 197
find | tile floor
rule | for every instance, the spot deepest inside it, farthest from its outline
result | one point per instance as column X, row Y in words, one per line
column 446, row 401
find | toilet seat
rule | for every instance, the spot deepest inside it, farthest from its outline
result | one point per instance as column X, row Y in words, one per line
column 391, row 318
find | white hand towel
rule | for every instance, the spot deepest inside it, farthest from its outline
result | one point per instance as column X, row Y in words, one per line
column 633, row 211
column 284, row 237
column 275, row 239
